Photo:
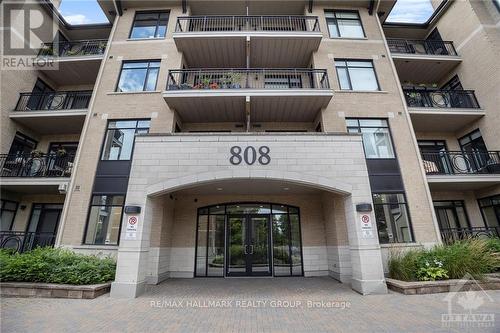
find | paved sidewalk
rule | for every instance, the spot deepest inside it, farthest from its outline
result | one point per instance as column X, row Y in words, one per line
column 242, row 305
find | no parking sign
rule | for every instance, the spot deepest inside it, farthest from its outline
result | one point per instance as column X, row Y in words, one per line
column 366, row 226
column 131, row 230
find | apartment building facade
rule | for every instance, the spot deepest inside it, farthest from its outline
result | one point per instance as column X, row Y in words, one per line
column 249, row 138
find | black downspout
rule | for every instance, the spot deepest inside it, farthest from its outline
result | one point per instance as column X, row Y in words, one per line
column 184, row 6
column 310, row 6
column 370, row 9
column 119, row 7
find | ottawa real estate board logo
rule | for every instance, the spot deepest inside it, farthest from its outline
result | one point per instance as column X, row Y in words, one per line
column 25, row 28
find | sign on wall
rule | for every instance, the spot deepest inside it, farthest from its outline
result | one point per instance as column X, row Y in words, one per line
column 131, row 229
column 366, row 226
column 250, row 155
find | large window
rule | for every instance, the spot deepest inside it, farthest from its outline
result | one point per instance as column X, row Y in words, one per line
column 103, row 225
column 356, row 75
column 346, row 24
column 8, row 211
column 376, row 136
column 393, row 220
column 149, row 25
column 138, row 76
column 120, row 138
column 490, row 208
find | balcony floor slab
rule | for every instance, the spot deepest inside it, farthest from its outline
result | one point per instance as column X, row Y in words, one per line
column 466, row 182
column 51, row 121
column 443, row 120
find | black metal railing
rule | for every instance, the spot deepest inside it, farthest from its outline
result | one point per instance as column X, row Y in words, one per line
column 441, row 98
column 74, row 48
column 60, row 100
column 20, row 241
column 36, row 165
column 459, row 162
column 247, row 23
column 414, row 46
column 450, row 235
column 247, row 79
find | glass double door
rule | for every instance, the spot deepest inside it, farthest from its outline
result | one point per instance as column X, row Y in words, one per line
column 248, row 251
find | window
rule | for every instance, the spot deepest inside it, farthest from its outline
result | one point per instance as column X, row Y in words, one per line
column 356, row 75
column 451, row 215
column 139, row 75
column 490, row 208
column 393, row 220
column 8, row 211
column 346, row 24
column 120, row 138
column 376, row 137
column 22, row 144
column 277, row 81
column 149, row 25
column 105, row 215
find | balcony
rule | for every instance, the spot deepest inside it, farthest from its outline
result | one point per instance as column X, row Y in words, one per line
column 450, row 235
column 72, row 61
column 458, row 170
column 442, row 110
column 52, row 113
column 21, row 241
column 36, row 172
column 232, row 95
column 268, row 41
column 423, row 60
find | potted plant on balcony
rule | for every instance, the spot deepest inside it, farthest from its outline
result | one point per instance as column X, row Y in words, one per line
column 205, row 81
column 214, row 85
column 36, row 153
column 225, row 82
column 61, row 152
column 235, row 80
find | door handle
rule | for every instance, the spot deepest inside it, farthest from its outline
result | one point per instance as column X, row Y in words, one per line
column 251, row 247
column 245, row 249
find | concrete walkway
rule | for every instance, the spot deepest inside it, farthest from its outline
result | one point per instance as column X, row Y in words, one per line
column 244, row 305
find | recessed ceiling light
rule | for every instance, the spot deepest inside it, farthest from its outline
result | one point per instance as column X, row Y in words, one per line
column 285, row 188
column 219, row 188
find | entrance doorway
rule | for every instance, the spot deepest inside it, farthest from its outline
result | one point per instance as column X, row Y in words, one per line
column 248, row 239
column 248, row 252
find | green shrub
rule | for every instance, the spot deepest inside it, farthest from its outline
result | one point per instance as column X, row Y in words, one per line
column 475, row 257
column 51, row 265
column 404, row 265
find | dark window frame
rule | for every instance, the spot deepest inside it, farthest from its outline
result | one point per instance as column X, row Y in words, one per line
column 42, row 208
column 405, row 203
column 346, row 66
column 486, row 206
column 92, row 195
column 2, row 209
column 137, row 120
column 159, row 12
column 469, row 135
column 225, row 204
column 148, row 68
column 335, row 18
column 359, row 132
column 452, row 84
column 467, row 219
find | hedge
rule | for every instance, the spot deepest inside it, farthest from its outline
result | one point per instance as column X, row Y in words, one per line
column 55, row 265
